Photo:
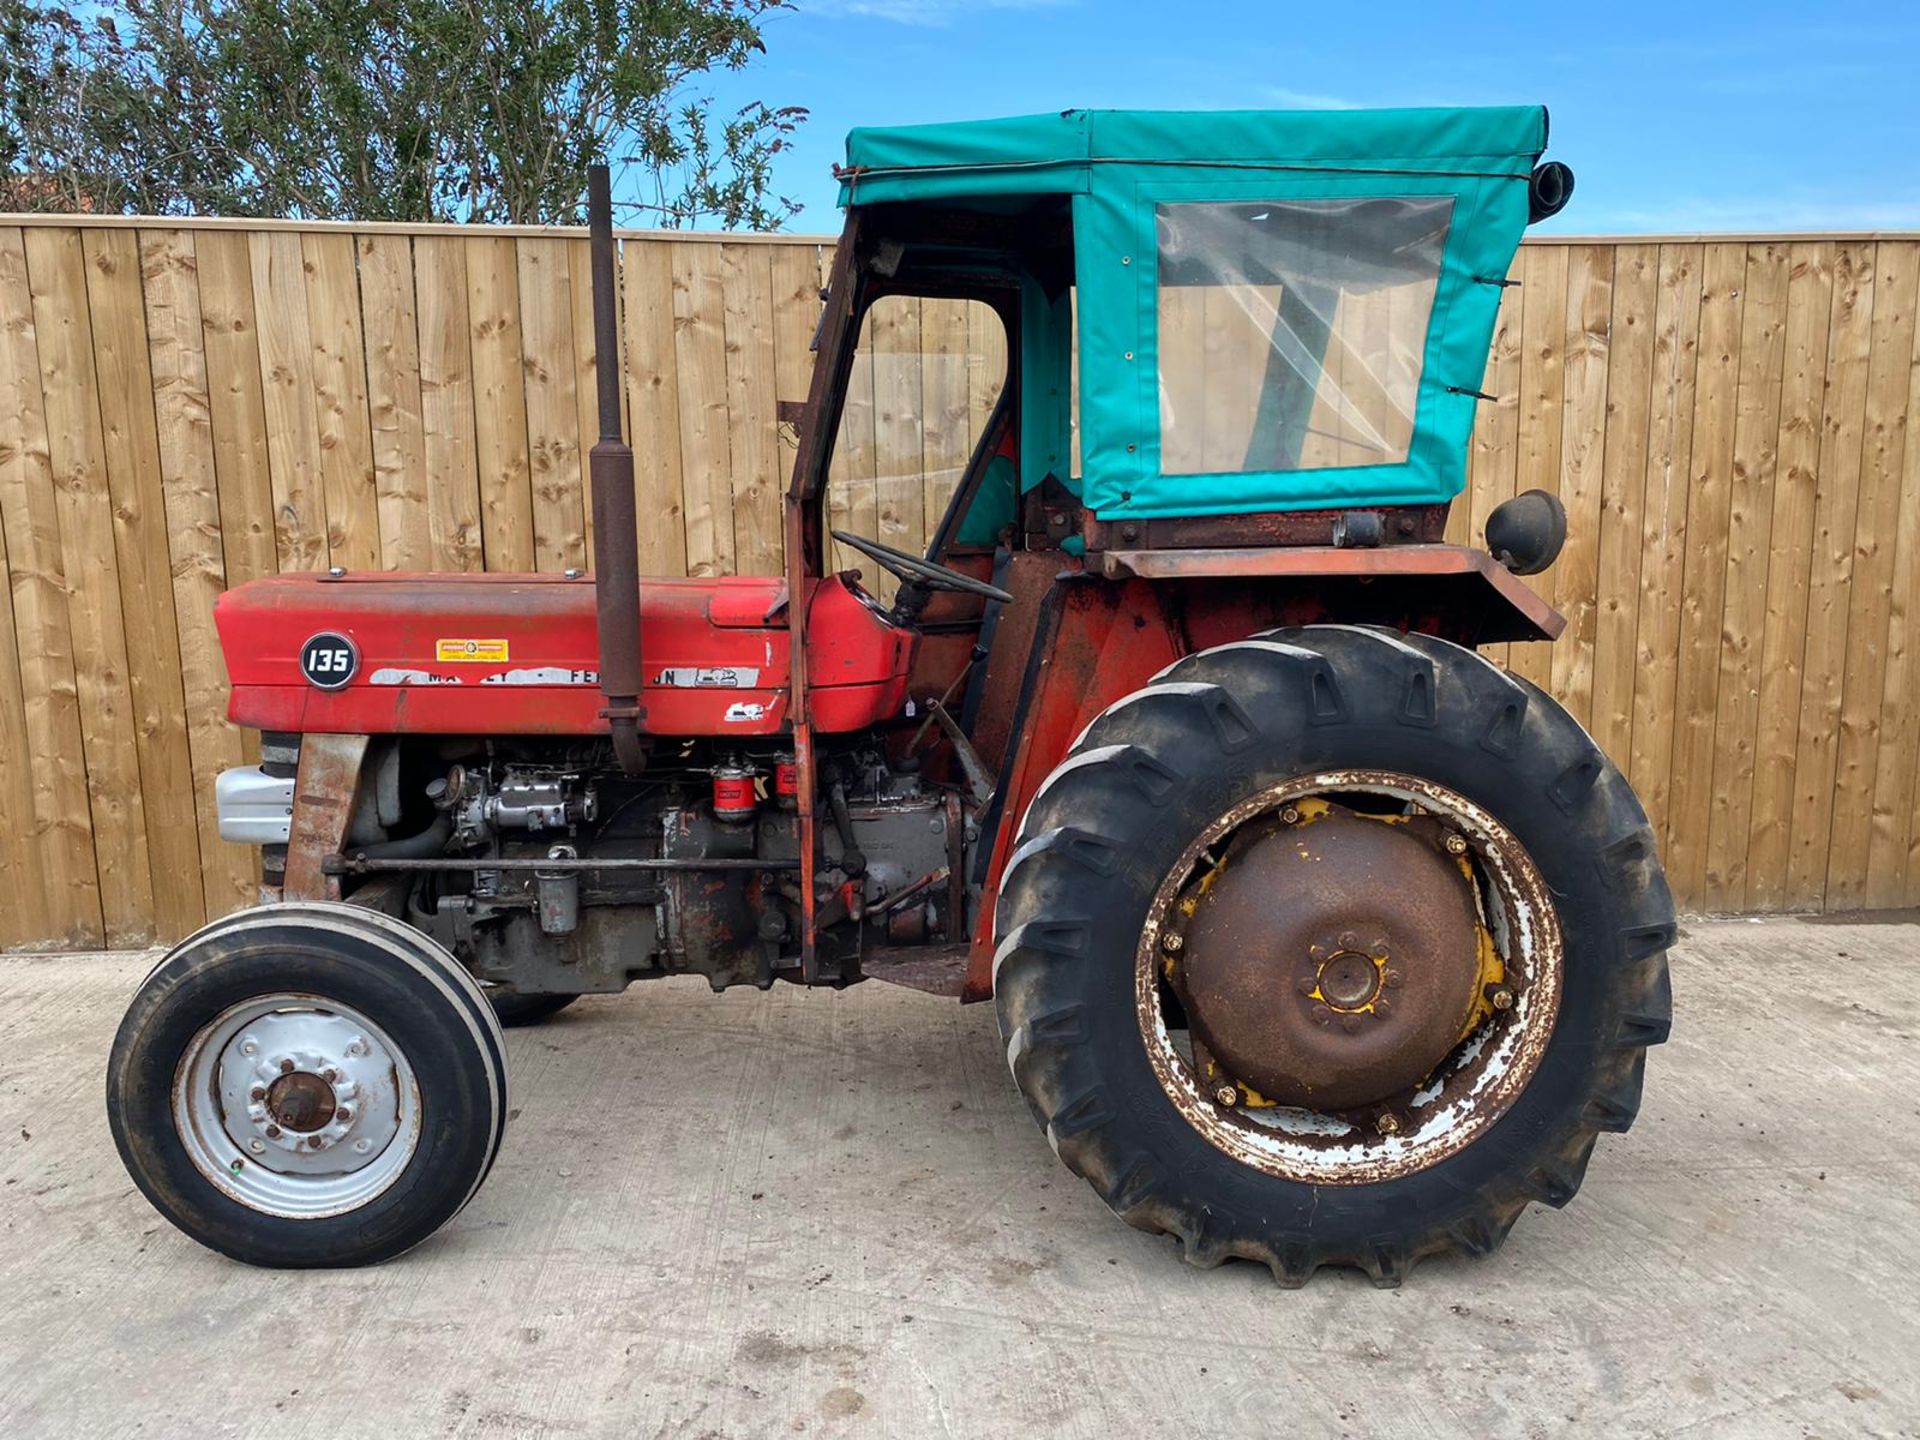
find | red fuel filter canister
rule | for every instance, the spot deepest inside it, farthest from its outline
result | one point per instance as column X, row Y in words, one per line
column 733, row 791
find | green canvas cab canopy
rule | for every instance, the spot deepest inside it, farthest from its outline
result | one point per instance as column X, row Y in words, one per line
column 1277, row 310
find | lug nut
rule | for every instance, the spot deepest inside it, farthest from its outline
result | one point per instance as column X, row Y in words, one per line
column 1349, row 940
column 1289, row 816
column 259, row 1092
column 286, row 1067
column 343, row 1114
column 1456, row 844
column 1502, row 999
column 273, row 1132
column 1387, row 1125
column 330, row 1075
column 1308, row 985
column 1227, row 1096
column 1171, row 942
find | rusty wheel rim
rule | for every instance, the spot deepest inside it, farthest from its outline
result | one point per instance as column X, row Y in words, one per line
column 1479, row 1079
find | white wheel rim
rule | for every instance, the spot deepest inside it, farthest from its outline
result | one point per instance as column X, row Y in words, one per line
column 1493, row 1068
column 346, row 1092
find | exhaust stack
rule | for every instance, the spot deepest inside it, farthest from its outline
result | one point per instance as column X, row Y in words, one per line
column 616, row 546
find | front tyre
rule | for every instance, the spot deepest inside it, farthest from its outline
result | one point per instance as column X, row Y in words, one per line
column 306, row 1085
column 1333, row 946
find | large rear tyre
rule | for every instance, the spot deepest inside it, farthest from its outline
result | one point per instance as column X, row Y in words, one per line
column 1332, row 947
column 306, row 1085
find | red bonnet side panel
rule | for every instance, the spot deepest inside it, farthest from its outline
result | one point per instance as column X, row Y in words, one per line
column 517, row 655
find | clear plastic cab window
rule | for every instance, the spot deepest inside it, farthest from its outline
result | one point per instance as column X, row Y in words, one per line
column 1292, row 333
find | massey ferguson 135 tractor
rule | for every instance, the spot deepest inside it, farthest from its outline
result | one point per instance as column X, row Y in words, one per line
column 1315, row 938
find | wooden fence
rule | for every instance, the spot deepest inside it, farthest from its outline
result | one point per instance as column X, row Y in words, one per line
column 184, row 406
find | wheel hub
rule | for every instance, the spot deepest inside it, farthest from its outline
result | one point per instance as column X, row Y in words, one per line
column 311, row 1089
column 301, row 1101
column 1349, row 980
column 1333, row 962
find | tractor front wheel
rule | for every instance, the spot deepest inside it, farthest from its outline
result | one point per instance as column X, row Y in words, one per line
column 307, row 1085
column 1332, row 947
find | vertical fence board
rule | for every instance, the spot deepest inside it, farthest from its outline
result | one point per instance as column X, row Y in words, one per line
column 1756, row 439
column 1704, row 581
column 1836, row 514
column 1893, row 784
column 70, row 388
column 344, row 426
column 130, row 445
column 753, row 425
column 653, row 402
column 986, row 365
column 1543, row 337
column 796, row 315
column 586, row 393
column 183, row 411
column 236, row 404
column 500, row 404
column 395, row 402
column 898, row 426
column 1896, row 300
column 1663, row 527
column 286, row 379
column 25, row 918
column 853, row 501
column 1623, row 480
column 1495, row 455
column 455, row 535
column 553, row 405
column 947, row 438
column 700, row 351
column 1582, row 457
column 50, row 764
column 1790, row 545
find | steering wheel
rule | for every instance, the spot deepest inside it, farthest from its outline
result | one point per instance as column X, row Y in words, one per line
column 924, row 572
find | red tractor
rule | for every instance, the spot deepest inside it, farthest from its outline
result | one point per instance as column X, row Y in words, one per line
column 1315, row 937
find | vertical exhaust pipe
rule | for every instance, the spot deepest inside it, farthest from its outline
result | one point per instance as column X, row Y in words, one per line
column 616, row 544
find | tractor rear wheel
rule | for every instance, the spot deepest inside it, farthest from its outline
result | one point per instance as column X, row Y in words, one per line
column 308, row 1084
column 1332, row 947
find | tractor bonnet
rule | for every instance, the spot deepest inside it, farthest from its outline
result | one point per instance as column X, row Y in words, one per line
column 1276, row 310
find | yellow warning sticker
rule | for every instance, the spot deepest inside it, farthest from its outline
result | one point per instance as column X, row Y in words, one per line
column 455, row 652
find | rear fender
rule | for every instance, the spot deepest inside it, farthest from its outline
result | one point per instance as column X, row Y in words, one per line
column 1102, row 635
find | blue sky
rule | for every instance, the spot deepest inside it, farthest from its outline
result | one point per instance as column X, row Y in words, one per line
column 1675, row 116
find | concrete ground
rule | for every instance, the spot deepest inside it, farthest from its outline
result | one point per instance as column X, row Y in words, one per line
column 818, row 1214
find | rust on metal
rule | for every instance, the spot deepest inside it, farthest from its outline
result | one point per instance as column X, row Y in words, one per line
column 806, row 557
column 1332, row 964
column 1399, row 525
column 1439, row 1113
column 323, row 794
column 1441, row 564
column 302, row 1102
